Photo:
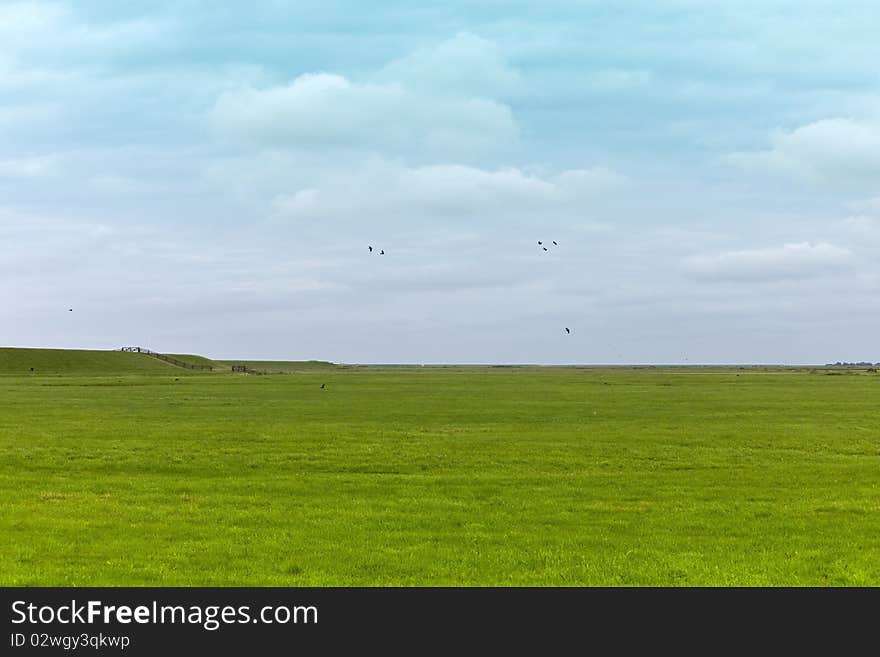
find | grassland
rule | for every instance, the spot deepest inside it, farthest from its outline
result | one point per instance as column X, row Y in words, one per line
column 441, row 477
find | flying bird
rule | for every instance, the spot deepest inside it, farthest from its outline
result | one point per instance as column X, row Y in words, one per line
column 370, row 248
column 540, row 243
column 70, row 310
column 322, row 385
column 382, row 252
column 567, row 330
column 545, row 248
column 554, row 243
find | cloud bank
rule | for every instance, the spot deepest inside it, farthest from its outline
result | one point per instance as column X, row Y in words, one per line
column 838, row 151
column 786, row 262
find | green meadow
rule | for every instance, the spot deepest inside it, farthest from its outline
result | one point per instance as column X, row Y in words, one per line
column 147, row 474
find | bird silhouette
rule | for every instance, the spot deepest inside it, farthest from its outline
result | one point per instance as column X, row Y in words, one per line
column 567, row 330
column 554, row 243
column 70, row 310
column 545, row 248
column 322, row 386
column 540, row 243
column 370, row 248
column 382, row 252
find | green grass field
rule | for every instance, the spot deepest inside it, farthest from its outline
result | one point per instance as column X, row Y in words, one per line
column 440, row 476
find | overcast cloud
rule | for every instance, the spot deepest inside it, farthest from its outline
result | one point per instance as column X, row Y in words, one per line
column 197, row 179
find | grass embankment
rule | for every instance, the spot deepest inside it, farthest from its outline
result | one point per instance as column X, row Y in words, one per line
column 79, row 361
column 193, row 359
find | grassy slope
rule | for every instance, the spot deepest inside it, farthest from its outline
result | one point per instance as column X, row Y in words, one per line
column 282, row 366
column 439, row 476
column 77, row 361
column 193, row 359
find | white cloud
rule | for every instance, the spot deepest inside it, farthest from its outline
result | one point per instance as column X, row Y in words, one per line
column 35, row 26
column 27, row 167
column 867, row 205
column 448, row 191
column 302, row 202
column 111, row 183
column 322, row 109
column 832, row 150
column 618, row 79
column 440, row 101
column 17, row 18
column 588, row 182
column 790, row 261
column 465, row 65
column 458, row 186
column 862, row 231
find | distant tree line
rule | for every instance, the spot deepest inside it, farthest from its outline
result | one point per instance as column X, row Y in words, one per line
column 859, row 364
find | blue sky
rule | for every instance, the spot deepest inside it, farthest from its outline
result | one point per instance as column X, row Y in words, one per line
column 206, row 177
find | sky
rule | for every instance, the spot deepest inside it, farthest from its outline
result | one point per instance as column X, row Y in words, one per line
column 201, row 177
